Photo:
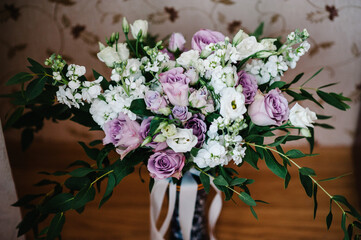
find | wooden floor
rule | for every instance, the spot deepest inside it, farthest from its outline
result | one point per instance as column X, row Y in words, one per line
column 126, row 215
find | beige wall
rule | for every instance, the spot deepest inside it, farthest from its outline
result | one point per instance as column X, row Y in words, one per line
column 73, row 28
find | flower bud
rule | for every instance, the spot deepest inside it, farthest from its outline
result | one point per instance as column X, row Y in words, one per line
column 146, row 141
column 125, row 25
column 160, row 138
column 239, row 37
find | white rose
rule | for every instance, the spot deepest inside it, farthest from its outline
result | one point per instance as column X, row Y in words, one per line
column 248, row 46
column 268, row 44
column 109, row 55
column 137, row 26
column 302, row 117
column 188, row 58
column 232, row 104
column 182, row 141
column 169, row 131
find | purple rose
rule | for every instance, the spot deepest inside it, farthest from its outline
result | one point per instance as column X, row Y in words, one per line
column 123, row 133
column 249, row 84
column 154, row 101
column 165, row 164
column 271, row 109
column 181, row 113
column 204, row 37
column 170, row 55
column 144, row 130
column 199, row 128
column 176, row 41
column 175, row 85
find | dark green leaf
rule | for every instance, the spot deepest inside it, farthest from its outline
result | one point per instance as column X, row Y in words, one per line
column 139, row 108
column 35, row 66
column 194, row 151
column 35, row 88
column 287, row 179
column 210, row 117
column 307, row 171
column 328, row 98
column 259, row 31
column 274, row 166
column 277, row 84
column 103, row 154
column 154, row 124
column 238, row 181
column 95, row 142
column 343, row 226
column 91, row 152
column 205, row 181
column 311, row 140
column 29, row 220
column 45, row 182
column 295, row 153
column 27, row 137
column 26, row 199
column 60, row 203
column 314, row 75
column 109, row 189
column 14, row 117
column 79, row 163
column 334, row 178
column 324, row 125
column 297, row 78
column 329, row 217
column 81, row 172
column 253, row 212
column 323, row 117
column 20, row 77
column 343, row 200
column 251, row 157
column 307, row 184
column 296, row 96
column 77, row 183
column 247, row 199
column 327, row 85
column 220, row 181
column 279, row 140
column 56, row 225
column 310, row 97
column 350, row 230
column 315, row 204
column 84, row 196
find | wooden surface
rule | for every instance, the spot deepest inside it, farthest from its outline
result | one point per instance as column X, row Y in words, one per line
column 126, row 215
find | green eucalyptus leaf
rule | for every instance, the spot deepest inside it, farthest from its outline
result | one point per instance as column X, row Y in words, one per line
column 81, row 172
column 253, row 212
column 247, row 199
column 60, row 203
column 35, row 88
column 109, row 189
column 56, row 225
column 205, row 181
column 84, row 196
column 274, row 166
column 307, row 171
column 20, row 77
column 315, row 204
column 306, row 183
column 26, row 199
column 220, row 181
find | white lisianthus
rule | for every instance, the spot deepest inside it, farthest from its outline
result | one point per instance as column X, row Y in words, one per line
column 248, row 46
column 137, row 26
column 302, row 117
column 110, row 55
column 239, row 37
column 182, row 141
column 188, row 58
column 212, row 154
column 232, row 104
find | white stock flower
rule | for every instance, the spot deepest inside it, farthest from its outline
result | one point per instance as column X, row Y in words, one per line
column 302, row 117
column 137, row 26
column 232, row 104
column 188, row 58
column 182, row 141
column 212, row 154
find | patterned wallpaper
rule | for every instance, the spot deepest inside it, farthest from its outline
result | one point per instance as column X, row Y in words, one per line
column 74, row 27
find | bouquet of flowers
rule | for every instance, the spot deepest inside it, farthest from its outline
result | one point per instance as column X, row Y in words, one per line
column 174, row 109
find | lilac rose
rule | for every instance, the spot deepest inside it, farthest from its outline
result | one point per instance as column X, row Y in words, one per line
column 175, row 85
column 165, row 164
column 270, row 109
column 181, row 113
column 154, row 101
column 249, row 85
column 199, row 128
column 204, row 37
column 176, row 41
column 144, row 130
column 123, row 133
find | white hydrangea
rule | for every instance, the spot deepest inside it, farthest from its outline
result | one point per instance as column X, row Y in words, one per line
column 212, row 154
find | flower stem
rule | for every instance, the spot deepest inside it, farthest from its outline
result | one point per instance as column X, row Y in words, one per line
column 97, row 179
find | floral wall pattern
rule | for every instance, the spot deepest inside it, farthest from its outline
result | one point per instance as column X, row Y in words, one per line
column 73, row 28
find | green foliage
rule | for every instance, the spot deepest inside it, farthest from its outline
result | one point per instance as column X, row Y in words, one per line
column 56, row 225
column 274, row 166
column 138, row 107
column 205, row 181
column 20, row 77
column 259, row 31
column 247, row 199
